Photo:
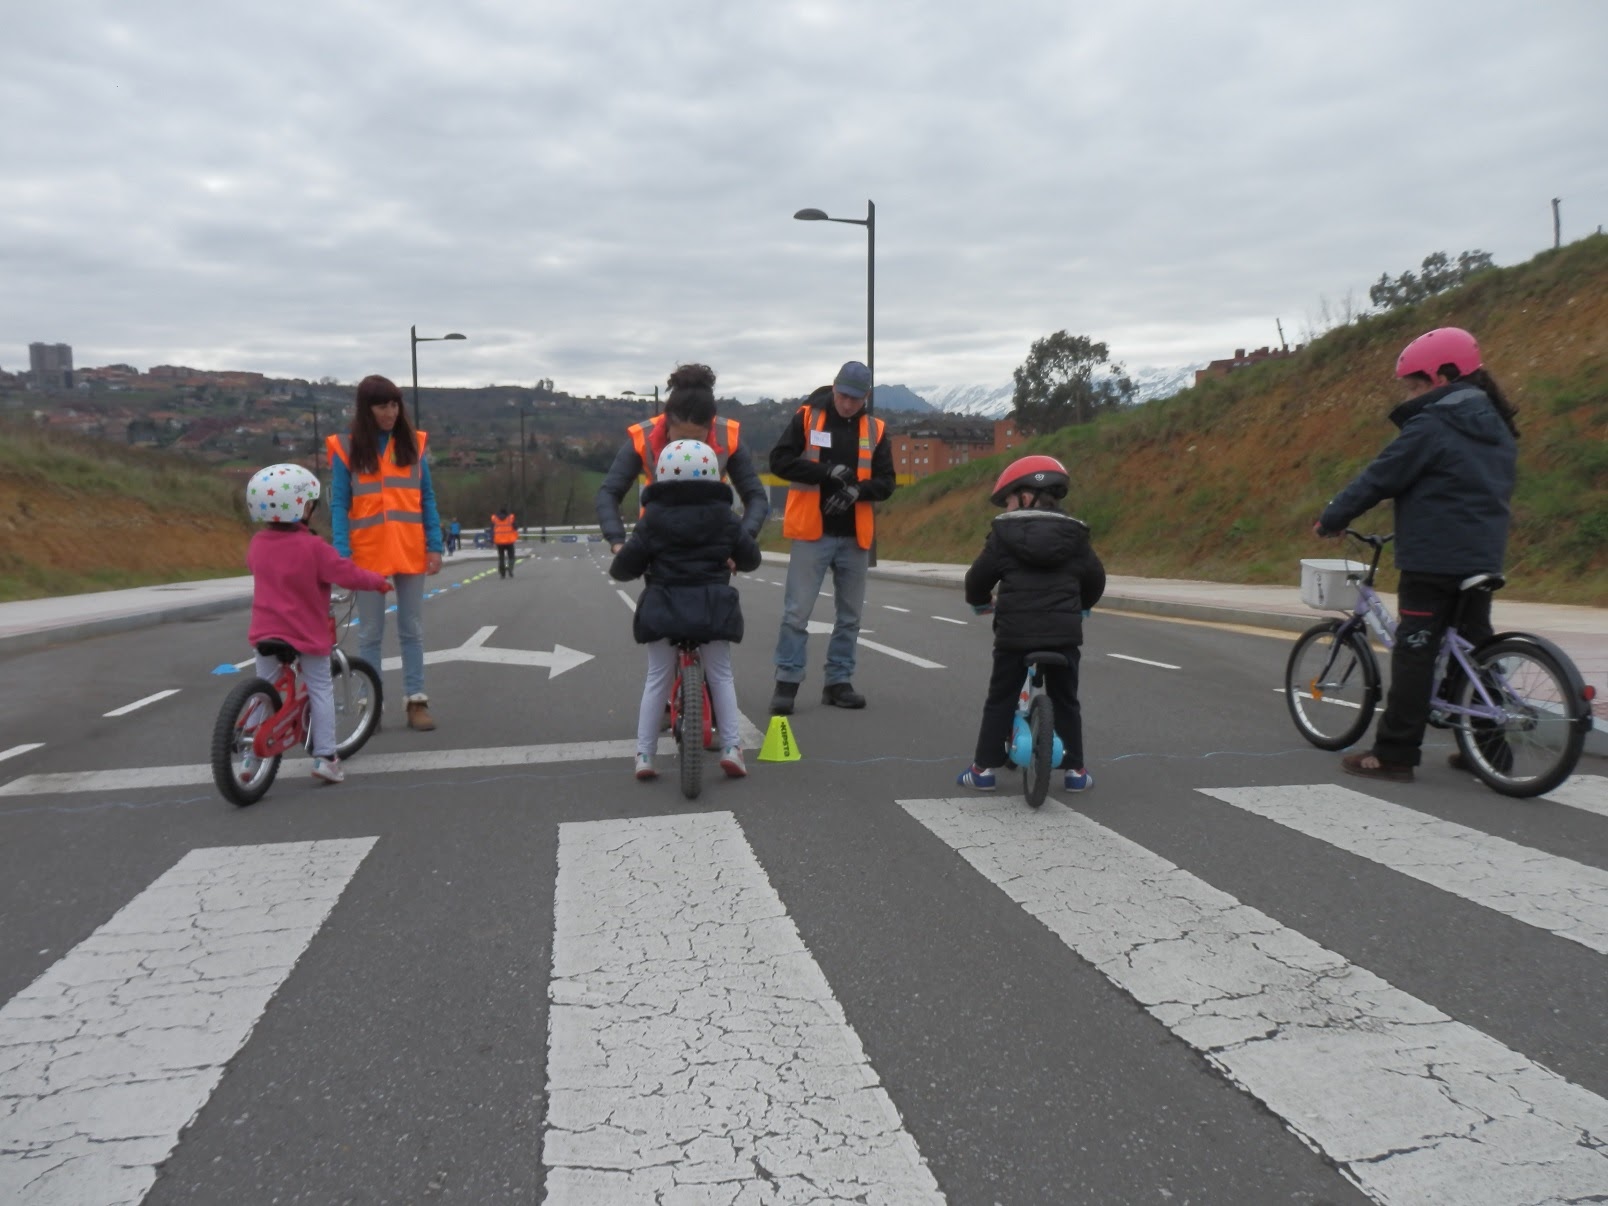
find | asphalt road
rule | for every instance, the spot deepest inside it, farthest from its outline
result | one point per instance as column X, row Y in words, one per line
column 523, row 976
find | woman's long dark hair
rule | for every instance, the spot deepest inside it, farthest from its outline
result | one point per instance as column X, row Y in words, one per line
column 1481, row 380
column 692, row 395
column 365, row 433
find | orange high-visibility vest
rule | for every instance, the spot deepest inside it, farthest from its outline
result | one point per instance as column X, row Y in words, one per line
column 386, row 521
column 504, row 531
column 802, row 519
column 648, row 438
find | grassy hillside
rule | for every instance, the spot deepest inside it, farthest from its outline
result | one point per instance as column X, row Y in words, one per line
column 1222, row 482
column 78, row 514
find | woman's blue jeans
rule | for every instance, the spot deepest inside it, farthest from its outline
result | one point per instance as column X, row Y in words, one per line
column 371, row 605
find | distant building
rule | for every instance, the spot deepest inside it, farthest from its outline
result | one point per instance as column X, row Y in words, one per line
column 1242, row 359
column 928, row 447
column 50, row 365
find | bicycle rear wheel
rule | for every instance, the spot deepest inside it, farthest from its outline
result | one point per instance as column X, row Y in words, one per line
column 1036, row 774
column 689, row 733
column 358, row 702
column 1535, row 745
column 1331, row 685
column 241, row 776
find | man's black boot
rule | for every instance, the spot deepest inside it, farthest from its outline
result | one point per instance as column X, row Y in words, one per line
column 842, row 695
column 782, row 700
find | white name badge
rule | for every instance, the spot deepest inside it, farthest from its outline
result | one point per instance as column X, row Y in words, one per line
column 820, row 439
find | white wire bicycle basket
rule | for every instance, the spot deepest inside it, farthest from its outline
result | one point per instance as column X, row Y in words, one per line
column 1330, row 583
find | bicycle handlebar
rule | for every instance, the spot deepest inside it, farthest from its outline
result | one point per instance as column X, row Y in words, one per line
column 1373, row 542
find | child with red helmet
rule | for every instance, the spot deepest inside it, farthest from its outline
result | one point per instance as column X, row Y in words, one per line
column 1048, row 577
column 1450, row 472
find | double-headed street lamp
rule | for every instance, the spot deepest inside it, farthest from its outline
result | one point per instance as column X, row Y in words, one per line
column 870, row 224
column 631, row 393
column 417, row 339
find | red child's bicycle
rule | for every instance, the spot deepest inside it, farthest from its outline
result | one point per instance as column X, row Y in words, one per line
column 692, row 713
column 260, row 720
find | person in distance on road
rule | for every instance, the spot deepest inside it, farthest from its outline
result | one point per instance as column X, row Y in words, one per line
column 383, row 515
column 291, row 573
column 1048, row 577
column 837, row 462
column 684, row 547
column 1451, row 472
column 689, row 414
column 505, row 535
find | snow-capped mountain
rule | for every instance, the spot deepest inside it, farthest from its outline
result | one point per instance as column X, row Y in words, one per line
column 994, row 401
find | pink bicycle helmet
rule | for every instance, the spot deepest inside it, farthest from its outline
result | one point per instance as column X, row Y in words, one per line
column 1444, row 345
column 1038, row 472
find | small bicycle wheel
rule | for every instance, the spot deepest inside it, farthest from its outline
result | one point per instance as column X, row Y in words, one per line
column 1036, row 774
column 241, row 776
column 1536, row 743
column 689, row 734
column 1331, row 685
column 358, row 700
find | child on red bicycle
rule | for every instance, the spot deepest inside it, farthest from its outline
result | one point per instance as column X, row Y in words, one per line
column 1048, row 577
column 292, row 571
column 685, row 546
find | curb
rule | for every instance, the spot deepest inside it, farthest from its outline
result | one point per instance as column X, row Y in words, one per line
column 24, row 642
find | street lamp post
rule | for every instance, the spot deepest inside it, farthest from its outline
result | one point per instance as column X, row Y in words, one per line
column 870, row 224
column 416, row 339
column 631, row 393
column 524, row 492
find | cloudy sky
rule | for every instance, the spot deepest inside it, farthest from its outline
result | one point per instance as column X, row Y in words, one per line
column 595, row 190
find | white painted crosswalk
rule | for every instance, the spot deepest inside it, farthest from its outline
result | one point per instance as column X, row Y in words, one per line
column 106, row 1057
column 693, row 1040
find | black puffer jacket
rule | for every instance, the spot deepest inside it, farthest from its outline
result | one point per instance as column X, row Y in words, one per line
column 1047, row 574
column 1451, row 472
column 681, row 545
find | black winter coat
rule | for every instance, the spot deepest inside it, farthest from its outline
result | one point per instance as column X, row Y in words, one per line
column 1047, row 574
column 680, row 546
column 1451, row 472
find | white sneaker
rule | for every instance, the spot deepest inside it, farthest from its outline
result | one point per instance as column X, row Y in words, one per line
column 731, row 761
column 644, row 767
column 329, row 770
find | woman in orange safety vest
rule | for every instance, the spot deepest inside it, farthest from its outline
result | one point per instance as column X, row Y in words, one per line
column 383, row 512
column 505, row 535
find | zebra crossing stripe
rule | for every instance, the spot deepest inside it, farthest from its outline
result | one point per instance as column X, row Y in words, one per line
column 107, row 1056
column 1555, row 894
column 1410, row 1105
column 694, row 1042
column 1586, row 792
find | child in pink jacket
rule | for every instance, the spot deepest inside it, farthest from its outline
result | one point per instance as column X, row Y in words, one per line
column 292, row 570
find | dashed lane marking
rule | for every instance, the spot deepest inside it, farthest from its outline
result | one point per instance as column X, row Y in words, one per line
column 948, row 620
column 1144, row 661
column 17, row 750
column 140, row 703
column 891, row 607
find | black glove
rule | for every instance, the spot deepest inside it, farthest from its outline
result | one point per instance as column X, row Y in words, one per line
column 841, row 474
column 840, row 501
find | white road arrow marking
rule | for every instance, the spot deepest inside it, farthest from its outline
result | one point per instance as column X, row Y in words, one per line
column 562, row 657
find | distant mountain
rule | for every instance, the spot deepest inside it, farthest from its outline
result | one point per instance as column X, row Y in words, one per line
column 994, row 401
column 898, row 397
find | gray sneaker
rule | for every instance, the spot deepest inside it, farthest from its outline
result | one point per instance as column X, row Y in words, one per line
column 329, row 770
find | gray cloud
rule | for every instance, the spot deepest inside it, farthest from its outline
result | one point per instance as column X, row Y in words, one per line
column 595, row 191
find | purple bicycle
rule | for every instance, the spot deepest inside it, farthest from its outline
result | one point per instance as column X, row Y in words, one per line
column 1516, row 704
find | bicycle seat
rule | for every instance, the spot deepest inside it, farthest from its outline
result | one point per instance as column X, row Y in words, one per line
column 274, row 647
column 1485, row 582
column 1045, row 658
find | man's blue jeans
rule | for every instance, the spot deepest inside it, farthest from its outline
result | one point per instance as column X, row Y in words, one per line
column 806, row 569
column 409, row 596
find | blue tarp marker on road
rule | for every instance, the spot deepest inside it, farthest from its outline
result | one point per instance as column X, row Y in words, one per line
column 226, row 668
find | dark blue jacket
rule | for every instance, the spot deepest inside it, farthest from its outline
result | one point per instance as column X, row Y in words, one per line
column 1047, row 574
column 681, row 545
column 1451, row 472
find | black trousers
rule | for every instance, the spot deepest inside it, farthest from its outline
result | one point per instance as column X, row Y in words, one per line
column 505, row 557
column 1426, row 603
column 999, row 709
